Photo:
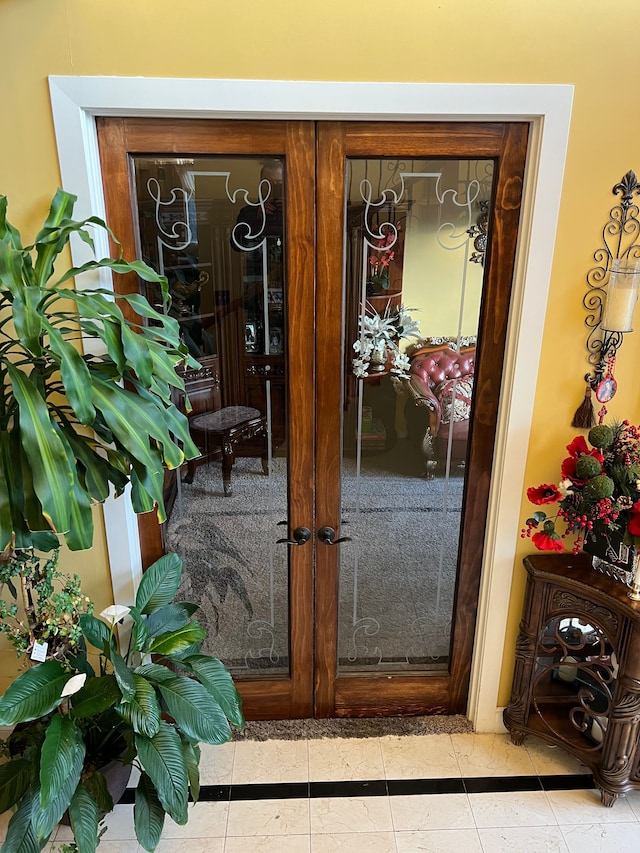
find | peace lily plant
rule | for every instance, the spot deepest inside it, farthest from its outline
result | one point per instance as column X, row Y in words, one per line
column 78, row 422
column 147, row 705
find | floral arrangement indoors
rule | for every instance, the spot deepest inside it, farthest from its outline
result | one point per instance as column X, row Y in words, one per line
column 379, row 261
column 598, row 494
column 380, row 337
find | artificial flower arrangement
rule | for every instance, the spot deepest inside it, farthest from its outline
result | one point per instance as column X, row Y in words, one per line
column 380, row 334
column 379, row 261
column 598, row 495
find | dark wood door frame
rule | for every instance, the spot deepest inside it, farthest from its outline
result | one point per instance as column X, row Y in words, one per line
column 506, row 144
column 118, row 139
column 503, row 142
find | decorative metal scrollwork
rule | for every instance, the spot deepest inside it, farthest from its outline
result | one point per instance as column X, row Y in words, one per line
column 479, row 235
column 576, row 668
column 620, row 241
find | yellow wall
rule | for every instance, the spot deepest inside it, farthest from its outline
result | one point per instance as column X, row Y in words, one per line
column 501, row 41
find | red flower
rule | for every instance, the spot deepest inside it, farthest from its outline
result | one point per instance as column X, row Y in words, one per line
column 544, row 542
column 578, row 446
column 634, row 522
column 544, row 494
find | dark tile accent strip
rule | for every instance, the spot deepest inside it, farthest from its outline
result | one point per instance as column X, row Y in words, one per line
column 215, row 793
column 391, row 787
column 501, row 784
column 568, row 783
column 272, row 791
column 401, row 787
column 374, row 788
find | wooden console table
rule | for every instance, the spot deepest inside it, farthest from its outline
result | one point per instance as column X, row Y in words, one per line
column 577, row 676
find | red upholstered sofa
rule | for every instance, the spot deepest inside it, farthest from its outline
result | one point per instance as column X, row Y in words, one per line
column 441, row 383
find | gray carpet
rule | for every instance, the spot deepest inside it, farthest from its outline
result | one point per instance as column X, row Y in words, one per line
column 397, row 574
column 352, row 728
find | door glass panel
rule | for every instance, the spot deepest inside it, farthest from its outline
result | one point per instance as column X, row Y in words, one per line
column 214, row 226
column 416, row 238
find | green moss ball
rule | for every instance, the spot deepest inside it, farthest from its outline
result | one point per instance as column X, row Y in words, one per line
column 599, row 487
column 587, row 467
column 601, row 436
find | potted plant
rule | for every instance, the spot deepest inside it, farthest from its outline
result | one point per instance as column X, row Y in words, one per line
column 146, row 705
column 598, row 497
column 380, row 336
column 74, row 425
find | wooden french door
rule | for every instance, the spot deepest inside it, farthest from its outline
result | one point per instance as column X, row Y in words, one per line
column 272, row 294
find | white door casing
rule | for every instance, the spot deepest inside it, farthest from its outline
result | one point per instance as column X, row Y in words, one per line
column 76, row 101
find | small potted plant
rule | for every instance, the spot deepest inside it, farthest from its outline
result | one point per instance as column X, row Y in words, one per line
column 598, row 498
column 147, row 705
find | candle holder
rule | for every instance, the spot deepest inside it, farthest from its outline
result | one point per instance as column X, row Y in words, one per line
column 634, row 593
column 611, row 298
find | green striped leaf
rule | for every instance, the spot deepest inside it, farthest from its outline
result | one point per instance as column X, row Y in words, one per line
column 20, row 835
column 51, row 476
column 143, row 711
column 148, row 814
column 96, row 631
column 75, row 375
column 217, row 680
column 33, row 694
column 171, row 617
column 49, row 241
column 44, row 820
column 96, row 696
column 14, row 781
column 159, row 584
column 124, row 677
column 192, row 759
column 6, row 520
column 174, row 642
column 27, row 318
column 84, row 816
column 8, row 233
column 61, row 759
column 137, row 355
column 162, row 758
column 195, row 711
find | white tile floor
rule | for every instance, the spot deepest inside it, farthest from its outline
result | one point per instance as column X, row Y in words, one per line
column 570, row 821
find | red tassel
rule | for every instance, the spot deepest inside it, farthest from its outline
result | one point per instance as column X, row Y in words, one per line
column 585, row 417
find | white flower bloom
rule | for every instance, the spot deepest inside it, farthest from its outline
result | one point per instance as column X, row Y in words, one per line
column 379, row 333
column 565, row 488
column 75, row 683
column 115, row 613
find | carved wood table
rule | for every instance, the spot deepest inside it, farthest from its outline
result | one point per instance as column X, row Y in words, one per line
column 226, row 429
column 577, row 674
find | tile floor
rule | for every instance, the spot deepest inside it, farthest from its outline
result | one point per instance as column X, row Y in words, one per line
column 436, row 793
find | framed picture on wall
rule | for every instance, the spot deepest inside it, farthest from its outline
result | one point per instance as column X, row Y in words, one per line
column 250, row 337
column 275, row 340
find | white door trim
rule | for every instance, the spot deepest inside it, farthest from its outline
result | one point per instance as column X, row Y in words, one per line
column 76, row 101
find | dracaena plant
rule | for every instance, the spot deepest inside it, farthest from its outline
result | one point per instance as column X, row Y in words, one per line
column 78, row 421
column 149, row 705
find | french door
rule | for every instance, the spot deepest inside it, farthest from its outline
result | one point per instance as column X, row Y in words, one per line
column 337, row 566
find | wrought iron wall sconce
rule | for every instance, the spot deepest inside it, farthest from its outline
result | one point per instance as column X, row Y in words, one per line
column 611, row 298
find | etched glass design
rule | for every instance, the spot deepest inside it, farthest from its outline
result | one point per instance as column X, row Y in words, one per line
column 215, row 227
column 413, row 279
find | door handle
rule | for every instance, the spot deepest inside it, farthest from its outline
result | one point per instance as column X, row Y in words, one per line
column 327, row 535
column 301, row 535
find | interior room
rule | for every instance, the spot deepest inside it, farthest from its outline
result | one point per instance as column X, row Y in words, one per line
column 352, row 531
